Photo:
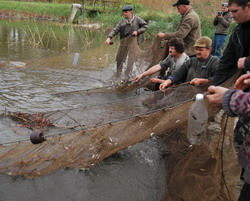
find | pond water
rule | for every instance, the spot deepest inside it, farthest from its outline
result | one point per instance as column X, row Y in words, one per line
column 48, row 52
column 36, row 62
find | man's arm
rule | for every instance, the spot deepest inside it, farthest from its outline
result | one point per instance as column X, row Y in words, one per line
column 216, row 20
column 227, row 65
column 115, row 31
column 143, row 25
column 148, row 72
column 247, row 63
column 213, row 66
column 183, row 30
column 236, row 103
column 226, row 20
column 181, row 73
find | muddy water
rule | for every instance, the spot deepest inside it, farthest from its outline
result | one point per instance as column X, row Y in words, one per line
column 36, row 62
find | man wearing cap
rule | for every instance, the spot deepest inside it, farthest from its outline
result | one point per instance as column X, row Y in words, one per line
column 189, row 28
column 222, row 22
column 197, row 70
column 131, row 25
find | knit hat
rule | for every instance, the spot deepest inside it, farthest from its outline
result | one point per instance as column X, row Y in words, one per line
column 204, row 41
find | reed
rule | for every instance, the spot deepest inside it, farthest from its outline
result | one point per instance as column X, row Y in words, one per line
column 162, row 20
column 57, row 39
column 36, row 8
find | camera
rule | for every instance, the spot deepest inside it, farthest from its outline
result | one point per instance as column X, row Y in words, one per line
column 220, row 13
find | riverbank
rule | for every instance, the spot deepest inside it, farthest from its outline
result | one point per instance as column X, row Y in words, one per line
column 158, row 20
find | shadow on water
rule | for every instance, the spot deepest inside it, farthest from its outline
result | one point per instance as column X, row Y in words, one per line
column 47, row 50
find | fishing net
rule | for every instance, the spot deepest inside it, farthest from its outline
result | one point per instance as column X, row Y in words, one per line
column 132, row 60
column 121, row 116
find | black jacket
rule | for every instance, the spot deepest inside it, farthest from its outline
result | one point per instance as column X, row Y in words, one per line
column 234, row 50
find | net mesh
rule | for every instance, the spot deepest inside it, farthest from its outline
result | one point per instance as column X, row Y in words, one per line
column 132, row 60
column 80, row 137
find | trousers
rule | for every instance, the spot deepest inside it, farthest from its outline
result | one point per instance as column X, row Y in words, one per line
column 218, row 44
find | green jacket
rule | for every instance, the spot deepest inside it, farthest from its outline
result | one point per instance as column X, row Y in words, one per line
column 189, row 30
column 195, row 68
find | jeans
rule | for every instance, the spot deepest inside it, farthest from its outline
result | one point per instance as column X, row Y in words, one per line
column 218, row 43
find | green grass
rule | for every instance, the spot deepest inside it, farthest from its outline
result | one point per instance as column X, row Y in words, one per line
column 36, row 8
column 158, row 21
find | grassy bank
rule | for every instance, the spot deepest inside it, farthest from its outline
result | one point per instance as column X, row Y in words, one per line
column 35, row 9
column 158, row 20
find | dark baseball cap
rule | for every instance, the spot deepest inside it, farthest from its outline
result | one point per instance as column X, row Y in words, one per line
column 181, row 2
column 127, row 8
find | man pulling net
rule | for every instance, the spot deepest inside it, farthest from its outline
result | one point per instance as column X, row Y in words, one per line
column 131, row 25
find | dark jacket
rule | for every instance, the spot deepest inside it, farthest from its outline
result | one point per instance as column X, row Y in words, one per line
column 125, row 27
column 195, row 68
column 247, row 63
column 234, row 50
column 222, row 24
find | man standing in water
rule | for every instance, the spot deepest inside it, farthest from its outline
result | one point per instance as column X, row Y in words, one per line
column 189, row 28
column 131, row 25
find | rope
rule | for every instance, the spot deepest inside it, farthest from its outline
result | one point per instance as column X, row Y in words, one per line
column 222, row 154
column 102, row 124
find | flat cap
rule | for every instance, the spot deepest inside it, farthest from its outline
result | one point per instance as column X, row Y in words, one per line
column 127, row 8
column 203, row 41
column 181, row 2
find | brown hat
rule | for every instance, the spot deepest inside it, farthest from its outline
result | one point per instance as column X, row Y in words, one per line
column 204, row 41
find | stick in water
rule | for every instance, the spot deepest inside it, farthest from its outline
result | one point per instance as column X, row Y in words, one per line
column 76, row 57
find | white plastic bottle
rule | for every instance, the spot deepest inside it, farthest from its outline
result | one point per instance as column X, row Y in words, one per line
column 197, row 121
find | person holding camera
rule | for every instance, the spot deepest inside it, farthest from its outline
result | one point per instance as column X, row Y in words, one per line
column 222, row 22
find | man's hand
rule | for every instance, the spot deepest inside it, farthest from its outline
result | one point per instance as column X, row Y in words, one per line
column 156, row 80
column 241, row 63
column 243, row 82
column 198, row 81
column 108, row 41
column 216, row 94
column 138, row 78
column 135, row 33
column 161, row 35
column 165, row 84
